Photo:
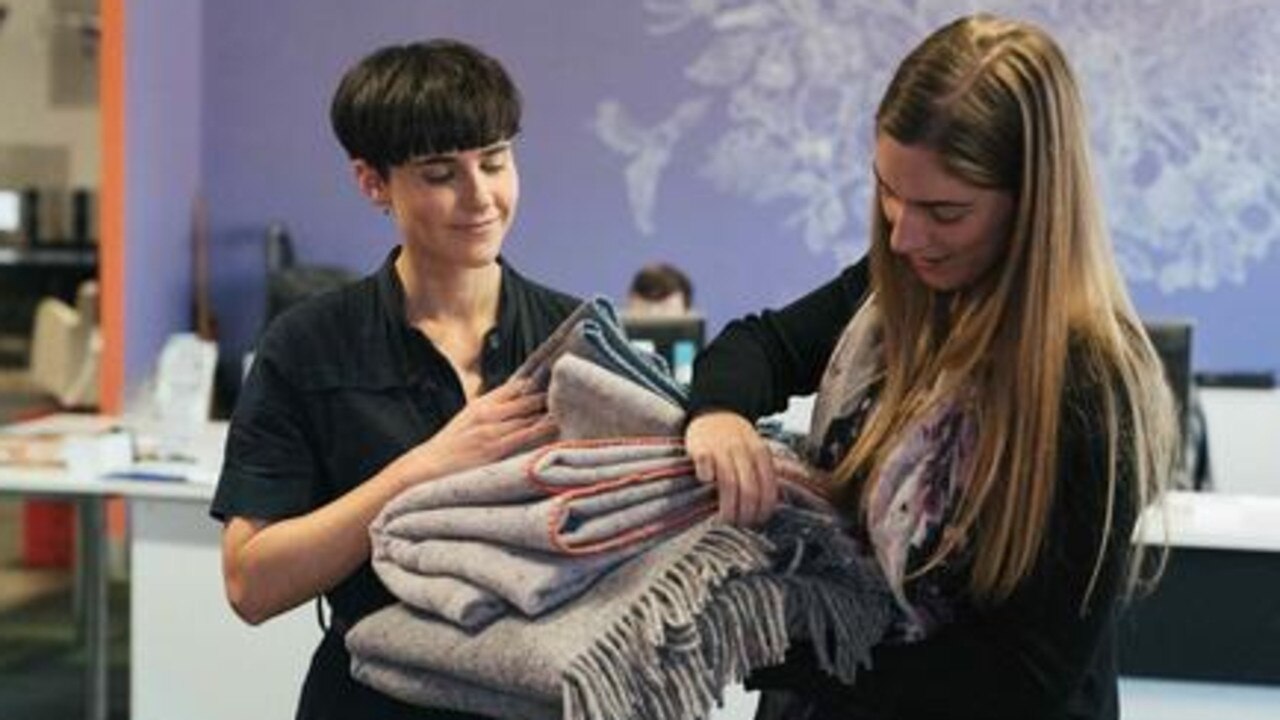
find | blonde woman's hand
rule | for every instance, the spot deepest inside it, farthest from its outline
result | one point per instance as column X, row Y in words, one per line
column 489, row 428
column 727, row 451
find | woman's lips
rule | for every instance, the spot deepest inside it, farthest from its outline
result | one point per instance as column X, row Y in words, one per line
column 927, row 264
column 476, row 227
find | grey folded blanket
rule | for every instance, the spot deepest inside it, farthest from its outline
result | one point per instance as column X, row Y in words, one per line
column 658, row 638
column 535, row 529
column 439, row 551
column 592, row 331
column 589, row 401
column 470, row 546
column 587, row 579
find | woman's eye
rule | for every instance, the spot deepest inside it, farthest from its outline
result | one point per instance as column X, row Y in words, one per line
column 946, row 214
column 493, row 167
column 437, row 176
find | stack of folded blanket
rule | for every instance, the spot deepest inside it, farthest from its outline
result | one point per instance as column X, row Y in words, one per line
column 535, row 530
column 589, row 578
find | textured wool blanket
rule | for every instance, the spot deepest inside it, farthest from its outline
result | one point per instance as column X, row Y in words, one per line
column 592, row 331
column 588, row 401
column 536, row 529
column 587, row 579
column 658, row 638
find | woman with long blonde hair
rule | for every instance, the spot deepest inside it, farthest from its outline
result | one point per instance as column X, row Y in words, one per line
column 990, row 411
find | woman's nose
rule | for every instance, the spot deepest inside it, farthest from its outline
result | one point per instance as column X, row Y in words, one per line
column 476, row 192
column 907, row 233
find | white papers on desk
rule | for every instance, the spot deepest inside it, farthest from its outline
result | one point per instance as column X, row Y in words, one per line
column 167, row 471
column 93, row 447
column 90, row 456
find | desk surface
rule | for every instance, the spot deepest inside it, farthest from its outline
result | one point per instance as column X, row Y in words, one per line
column 52, row 255
column 1222, row 521
column 1204, row 520
column 54, row 480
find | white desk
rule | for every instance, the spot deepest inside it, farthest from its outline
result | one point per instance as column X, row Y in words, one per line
column 1215, row 521
column 1241, row 520
column 1205, row 644
column 190, row 656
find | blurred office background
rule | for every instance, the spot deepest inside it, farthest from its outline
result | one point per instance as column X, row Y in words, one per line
column 730, row 137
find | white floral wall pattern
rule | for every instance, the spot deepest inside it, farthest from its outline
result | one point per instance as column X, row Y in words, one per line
column 1184, row 100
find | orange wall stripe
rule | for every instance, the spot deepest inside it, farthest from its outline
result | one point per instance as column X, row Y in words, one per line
column 111, row 248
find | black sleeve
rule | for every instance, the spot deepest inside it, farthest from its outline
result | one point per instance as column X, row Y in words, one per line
column 269, row 466
column 759, row 361
column 1027, row 656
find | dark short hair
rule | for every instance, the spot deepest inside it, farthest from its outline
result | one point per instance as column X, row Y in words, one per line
column 425, row 98
column 661, row 280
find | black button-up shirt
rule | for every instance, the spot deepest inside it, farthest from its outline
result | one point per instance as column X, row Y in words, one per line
column 342, row 385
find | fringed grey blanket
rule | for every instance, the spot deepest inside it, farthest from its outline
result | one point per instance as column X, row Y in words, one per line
column 587, row 580
column 658, row 638
column 514, row 534
column 536, row 529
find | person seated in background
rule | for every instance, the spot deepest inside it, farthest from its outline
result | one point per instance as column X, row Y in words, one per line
column 659, row 317
column 659, row 290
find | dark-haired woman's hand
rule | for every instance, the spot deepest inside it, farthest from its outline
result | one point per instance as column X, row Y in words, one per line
column 491, row 427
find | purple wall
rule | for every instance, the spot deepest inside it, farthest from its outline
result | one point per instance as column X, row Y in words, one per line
column 163, row 132
column 269, row 153
column 269, row 70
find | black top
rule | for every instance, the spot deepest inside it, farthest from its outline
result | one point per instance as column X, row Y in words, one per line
column 342, row 385
column 1035, row 655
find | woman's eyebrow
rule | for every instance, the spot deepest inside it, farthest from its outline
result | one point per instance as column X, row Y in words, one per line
column 880, row 179
column 452, row 157
column 922, row 203
column 433, row 160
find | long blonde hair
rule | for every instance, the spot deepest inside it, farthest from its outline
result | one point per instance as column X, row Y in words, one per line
column 996, row 99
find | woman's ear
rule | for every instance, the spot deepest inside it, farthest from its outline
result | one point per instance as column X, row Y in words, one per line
column 371, row 183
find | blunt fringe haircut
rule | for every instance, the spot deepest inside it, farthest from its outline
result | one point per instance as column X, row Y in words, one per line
column 407, row 101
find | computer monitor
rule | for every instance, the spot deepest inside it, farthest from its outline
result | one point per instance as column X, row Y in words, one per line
column 10, row 212
column 677, row 338
column 1172, row 341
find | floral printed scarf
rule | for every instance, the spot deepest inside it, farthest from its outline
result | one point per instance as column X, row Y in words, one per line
column 918, row 485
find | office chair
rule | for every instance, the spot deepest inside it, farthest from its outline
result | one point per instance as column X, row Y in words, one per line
column 289, row 281
column 66, row 348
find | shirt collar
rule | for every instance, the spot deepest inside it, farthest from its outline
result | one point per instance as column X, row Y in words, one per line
column 392, row 299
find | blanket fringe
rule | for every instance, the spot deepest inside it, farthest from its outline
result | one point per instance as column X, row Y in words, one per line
column 722, row 611
column 836, row 595
column 652, row 663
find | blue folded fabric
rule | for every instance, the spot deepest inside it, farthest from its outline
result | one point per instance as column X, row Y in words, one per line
column 647, row 369
column 594, row 332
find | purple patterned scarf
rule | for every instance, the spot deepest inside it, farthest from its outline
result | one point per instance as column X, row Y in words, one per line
column 919, row 483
